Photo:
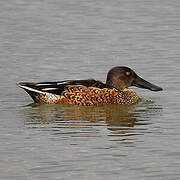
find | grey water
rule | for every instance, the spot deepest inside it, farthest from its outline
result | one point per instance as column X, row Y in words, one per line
column 58, row 40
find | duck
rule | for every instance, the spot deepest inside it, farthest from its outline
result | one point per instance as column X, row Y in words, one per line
column 90, row 92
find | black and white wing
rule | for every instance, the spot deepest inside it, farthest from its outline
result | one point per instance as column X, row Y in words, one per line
column 59, row 86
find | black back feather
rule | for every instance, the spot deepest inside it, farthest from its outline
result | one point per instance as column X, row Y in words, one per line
column 58, row 87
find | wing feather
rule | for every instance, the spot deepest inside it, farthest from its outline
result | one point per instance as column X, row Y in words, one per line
column 58, row 87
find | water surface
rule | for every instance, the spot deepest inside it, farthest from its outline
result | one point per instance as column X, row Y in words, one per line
column 58, row 40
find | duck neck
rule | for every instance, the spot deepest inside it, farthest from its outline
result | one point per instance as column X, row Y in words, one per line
column 110, row 83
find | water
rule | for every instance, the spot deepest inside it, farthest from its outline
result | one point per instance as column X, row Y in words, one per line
column 58, row 40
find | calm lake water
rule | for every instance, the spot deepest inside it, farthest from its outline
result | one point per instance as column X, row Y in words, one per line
column 74, row 39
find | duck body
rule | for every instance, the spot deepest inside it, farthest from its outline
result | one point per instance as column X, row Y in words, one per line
column 90, row 92
column 77, row 93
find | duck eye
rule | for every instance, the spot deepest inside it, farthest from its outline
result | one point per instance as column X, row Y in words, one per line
column 128, row 73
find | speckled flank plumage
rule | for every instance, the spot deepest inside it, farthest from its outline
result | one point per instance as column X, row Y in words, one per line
column 89, row 96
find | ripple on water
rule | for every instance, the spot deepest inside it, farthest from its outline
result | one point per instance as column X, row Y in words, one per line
column 119, row 120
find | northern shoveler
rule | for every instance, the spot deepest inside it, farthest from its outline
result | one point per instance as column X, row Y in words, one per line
column 90, row 92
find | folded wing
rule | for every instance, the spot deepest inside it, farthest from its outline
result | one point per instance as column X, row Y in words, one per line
column 59, row 86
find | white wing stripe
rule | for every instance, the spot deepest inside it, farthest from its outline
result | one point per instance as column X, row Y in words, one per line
column 65, row 82
column 41, row 84
column 31, row 89
column 46, row 89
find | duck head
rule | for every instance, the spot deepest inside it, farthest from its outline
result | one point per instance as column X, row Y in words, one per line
column 123, row 77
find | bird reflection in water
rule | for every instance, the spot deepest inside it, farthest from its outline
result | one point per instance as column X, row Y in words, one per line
column 119, row 119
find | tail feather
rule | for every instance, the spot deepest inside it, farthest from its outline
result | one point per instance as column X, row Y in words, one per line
column 34, row 93
column 28, row 87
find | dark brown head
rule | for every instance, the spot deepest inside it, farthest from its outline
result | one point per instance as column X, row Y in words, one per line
column 122, row 77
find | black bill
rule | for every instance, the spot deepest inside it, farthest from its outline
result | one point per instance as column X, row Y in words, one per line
column 141, row 83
